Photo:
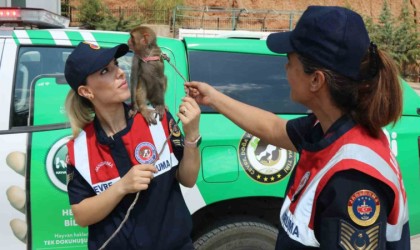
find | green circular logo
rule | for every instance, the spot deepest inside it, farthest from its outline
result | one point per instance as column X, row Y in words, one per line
column 57, row 165
column 264, row 162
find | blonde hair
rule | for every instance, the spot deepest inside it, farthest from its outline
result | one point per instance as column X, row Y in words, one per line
column 79, row 111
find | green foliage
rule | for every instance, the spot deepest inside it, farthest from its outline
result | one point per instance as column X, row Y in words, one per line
column 95, row 15
column 65, row 8
column 399, row 37
column 407, row 47
column 92, row 13
column 159, row 4
column 119, row 23
column 158, row 8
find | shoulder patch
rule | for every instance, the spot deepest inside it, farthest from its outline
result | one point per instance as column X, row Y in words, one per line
column 352, row 238
column 364, row 207
column 176, row 137
column 174, row 129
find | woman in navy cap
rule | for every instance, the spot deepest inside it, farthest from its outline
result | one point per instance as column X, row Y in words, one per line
column 346, row 191
column 123, row 175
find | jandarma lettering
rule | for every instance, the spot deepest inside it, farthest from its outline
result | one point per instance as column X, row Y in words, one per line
column 162, row 165
column 104, row 163
column 290, row 225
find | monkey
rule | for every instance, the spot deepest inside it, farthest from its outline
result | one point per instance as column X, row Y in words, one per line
column 147, row 79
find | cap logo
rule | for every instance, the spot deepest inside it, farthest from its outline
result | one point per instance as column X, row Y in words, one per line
column 92, row 46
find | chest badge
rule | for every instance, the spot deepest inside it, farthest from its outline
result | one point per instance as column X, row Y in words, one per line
column 145, row 153
column 364, row 207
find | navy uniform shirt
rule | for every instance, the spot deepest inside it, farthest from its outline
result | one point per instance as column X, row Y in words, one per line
column 333, row 227
column 160, row 220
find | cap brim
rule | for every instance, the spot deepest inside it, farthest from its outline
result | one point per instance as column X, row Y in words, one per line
column 280, row 42
column 107, row 56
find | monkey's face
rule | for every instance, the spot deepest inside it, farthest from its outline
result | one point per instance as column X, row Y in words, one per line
column 135, row 42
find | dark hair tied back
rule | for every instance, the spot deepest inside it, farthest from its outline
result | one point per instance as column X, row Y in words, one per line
column 373, row 62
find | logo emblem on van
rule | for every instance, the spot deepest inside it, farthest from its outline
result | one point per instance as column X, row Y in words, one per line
column 56, row 164
column 263, row 162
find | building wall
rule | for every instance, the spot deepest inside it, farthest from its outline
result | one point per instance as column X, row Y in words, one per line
column 3, row 3
column 50, row 5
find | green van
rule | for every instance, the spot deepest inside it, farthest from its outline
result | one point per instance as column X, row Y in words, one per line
column 238, row 194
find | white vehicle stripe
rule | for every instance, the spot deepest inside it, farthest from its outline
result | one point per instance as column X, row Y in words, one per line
column 23, row 37
column 60, row 37
column 88, row 36
column 193, row 198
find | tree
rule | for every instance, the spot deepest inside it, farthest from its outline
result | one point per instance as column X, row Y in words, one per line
column 407, row 45
column 385, row 29
column 158, row 9
column 92, row 13
column 120, row 23
column 399, row 37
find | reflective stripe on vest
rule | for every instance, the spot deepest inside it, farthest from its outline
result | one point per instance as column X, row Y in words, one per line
column 81, row 156
column 297, row 224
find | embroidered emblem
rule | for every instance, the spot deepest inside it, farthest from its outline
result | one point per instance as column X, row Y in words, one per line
column 145, row 153
column 92, row 46
column 173, row 127
column 351, row 238
column 364, row 207
column 302, row 183
column 263, row 162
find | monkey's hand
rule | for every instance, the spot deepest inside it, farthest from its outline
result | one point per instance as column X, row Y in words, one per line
column 165, row 57
column 132, row 112
column 149, row 115
column 160, row 111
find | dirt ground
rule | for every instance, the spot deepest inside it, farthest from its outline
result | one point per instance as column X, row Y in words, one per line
column 365, row 7
column 370, row 8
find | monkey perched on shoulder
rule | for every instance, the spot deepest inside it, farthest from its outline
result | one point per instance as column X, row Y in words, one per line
column 147, row 79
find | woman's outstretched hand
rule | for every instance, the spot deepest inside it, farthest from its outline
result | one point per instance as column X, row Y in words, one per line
column 201, row 92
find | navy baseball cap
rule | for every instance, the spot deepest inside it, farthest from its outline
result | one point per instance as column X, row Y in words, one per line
column 87, row 58
column 334, row 37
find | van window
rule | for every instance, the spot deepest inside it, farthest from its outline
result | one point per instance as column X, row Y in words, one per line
column 36, row 62
column 259, row 80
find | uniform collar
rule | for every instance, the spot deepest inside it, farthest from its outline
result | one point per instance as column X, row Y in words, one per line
column 102, row 136
column 316, row 139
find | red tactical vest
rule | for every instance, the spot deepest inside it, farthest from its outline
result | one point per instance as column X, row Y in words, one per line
column 354, row 150
column 143, row 144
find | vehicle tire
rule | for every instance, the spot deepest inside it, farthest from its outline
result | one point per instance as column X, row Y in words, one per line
column 239, row 235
